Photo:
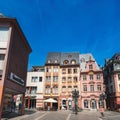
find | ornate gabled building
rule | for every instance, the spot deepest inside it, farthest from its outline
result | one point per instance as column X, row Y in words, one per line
column 91, row 82
column 112, row 81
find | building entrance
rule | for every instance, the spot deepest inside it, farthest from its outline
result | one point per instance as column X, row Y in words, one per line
column 93, row 104
column 30, row 103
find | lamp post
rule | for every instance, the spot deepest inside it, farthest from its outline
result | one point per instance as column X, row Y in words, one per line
column 103, row 96
column 75, row 95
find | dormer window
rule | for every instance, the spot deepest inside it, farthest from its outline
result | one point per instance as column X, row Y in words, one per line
column 48, row 61
column 56, row 61
column 73, row 61
column 82, row 60
column 65, row 62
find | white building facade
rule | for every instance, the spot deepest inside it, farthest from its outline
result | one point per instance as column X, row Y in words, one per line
column 34, row 88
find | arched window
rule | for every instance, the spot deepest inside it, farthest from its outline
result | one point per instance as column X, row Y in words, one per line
column 56, row 61
column 73, row 61
column 47, row 89
column 65, row 62
column 49, row 61
column 55, row 89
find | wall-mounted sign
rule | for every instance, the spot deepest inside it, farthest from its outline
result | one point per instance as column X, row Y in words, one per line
column 17, row 79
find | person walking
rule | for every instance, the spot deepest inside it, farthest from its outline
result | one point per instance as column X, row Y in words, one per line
column 102, row 110
column 20, row 107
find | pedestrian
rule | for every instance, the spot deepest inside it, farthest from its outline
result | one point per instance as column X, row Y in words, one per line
column 20, row 107
column 102, row 110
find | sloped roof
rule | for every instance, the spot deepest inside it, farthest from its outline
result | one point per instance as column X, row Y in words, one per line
column 52, row 56
column 69, row 56
column 86, row 57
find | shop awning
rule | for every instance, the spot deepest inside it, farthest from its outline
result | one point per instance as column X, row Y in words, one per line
column 51, row 100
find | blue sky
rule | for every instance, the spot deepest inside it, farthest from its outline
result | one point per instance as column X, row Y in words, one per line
column 85, row 26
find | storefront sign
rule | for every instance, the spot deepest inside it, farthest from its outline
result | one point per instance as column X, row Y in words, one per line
column 17, row 79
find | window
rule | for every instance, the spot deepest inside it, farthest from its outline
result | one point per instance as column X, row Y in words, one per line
column 73, row 61
column 84, row 88
column 75, row 79
column 55, row 78
column 69, row 70
column 84, row 77
column 75, row 70
column 69, row 79
column 55, row 69
column 40, row 79
column 63, row 79
column 48, row 61
column 0, row 74
column 76, row 87
column 117, row 66
column 55, row 89
column 69, row 88
column 4, row 34
column 85, row 104
column 90, row 67
column 27, row 90
column 63, row 88
column 118, row 76
column 2, row 56
column 65, row 62
column 48, row 69
column 98, row 76
column 82, row 60
column 91, row 77
column 92, row 88
column 48, row 78
column 56, row 61
column 63, row 71
column 99, row 87
column 48, row 90
column 34, row 79
column 33, row 90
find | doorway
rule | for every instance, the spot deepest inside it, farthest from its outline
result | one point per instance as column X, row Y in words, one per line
column 93, row 105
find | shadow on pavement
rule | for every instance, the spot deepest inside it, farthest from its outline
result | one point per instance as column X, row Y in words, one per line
column 9, row 115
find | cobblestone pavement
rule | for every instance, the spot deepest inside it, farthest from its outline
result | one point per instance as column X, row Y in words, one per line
column 65, row 115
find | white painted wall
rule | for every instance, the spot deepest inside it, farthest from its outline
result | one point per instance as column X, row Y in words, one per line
column 39, row 85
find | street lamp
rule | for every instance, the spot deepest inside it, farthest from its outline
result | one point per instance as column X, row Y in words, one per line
column 103, row 96
column 75, row 95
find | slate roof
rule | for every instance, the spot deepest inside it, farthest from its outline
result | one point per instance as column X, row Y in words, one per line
column 52, row 56
column 69, row 56
column 61, row 57
column 84, row 58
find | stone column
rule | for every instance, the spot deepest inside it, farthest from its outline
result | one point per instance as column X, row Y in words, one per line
column 67, row 103
column 97, row 102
